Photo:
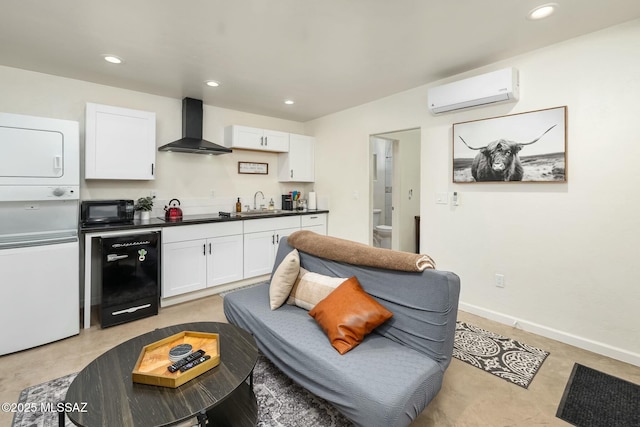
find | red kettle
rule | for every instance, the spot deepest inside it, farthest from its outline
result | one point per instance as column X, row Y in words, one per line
column 173, row 212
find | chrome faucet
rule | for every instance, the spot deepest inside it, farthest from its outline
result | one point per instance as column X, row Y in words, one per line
column 255, row 206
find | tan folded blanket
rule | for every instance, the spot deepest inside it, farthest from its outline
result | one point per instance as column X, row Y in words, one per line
column 357, row 253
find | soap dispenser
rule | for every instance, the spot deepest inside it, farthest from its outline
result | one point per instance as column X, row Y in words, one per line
column 238, row 205
column 271, row 204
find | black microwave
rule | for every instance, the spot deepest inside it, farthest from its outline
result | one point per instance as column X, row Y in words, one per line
column 106, row 212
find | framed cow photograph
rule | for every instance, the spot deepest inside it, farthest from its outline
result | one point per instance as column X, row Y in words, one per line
column 523, row 147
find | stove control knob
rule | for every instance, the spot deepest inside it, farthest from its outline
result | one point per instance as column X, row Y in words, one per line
column 58, row 192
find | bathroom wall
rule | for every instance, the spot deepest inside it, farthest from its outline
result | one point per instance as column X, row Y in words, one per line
column 381, row 149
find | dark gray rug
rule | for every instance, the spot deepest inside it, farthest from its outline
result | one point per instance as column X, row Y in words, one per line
column 503, row 357
column 595, row 399
column 281, row 402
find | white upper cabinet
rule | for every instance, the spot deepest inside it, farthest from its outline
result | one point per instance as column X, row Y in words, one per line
column 298, row 165
column 249, row 138
column 120, row 143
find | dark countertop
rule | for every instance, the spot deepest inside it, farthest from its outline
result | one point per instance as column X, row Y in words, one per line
column 190, row 220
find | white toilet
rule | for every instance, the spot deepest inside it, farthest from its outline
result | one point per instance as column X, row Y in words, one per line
column 381, row 233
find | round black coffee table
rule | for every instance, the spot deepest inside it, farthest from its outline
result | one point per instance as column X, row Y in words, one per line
column 103, row 393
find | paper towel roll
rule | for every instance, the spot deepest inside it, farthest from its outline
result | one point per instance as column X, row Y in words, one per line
column 312, row 201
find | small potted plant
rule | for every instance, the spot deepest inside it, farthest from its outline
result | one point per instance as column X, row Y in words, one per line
column 144, row 206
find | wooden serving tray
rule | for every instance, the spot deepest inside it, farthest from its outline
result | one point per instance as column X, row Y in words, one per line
column 152, row 364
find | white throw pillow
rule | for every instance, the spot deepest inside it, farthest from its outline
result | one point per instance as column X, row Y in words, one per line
column 283, row 279
column 311, row 288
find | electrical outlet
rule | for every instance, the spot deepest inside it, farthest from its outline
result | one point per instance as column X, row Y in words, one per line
column 500, row 280
column 153, row 194
column 442, row 198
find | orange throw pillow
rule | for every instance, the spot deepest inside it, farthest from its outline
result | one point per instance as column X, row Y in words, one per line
column 348, row 314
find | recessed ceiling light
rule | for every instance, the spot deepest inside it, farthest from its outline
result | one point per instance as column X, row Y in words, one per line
column 113, row 59
column 543, row 11
column 212, row 83
column 288, row 102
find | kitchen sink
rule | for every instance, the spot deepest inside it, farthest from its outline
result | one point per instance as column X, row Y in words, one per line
column 259, row 212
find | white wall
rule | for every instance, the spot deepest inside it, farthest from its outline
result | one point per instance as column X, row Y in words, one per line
column 568, row 251
column 188, row 177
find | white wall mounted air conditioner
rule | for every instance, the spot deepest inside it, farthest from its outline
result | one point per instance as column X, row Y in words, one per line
column 497, row 86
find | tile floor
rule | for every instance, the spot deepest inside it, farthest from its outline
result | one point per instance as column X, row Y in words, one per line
column 469, row 396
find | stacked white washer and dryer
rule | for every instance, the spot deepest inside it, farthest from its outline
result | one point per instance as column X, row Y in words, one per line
column 39, row 251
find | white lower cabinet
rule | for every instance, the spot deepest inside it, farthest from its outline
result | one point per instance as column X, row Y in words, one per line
column 261, row 238
column 316, row 223
column 224, row 260
column 184, row 267
column 195, row 257
column 258, row 253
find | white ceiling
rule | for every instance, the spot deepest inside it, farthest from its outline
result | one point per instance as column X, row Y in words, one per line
column 327, row 55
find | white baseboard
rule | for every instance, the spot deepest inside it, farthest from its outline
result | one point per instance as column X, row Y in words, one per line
column 545, row 331
column 178, row 299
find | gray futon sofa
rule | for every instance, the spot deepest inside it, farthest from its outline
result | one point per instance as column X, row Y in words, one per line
column 389, row 378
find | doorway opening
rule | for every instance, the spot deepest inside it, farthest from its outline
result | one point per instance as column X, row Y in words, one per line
column 395, row 189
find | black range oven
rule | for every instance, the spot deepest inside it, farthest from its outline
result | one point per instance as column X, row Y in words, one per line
column 129, row 274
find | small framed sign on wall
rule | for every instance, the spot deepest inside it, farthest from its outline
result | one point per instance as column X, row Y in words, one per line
column 524, row 147
column 253, row 168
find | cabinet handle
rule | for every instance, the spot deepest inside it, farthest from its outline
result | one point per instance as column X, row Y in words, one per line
column 277, row 238
column 209, row 248
column 291, row 173
column 273, row 239
column 151, row 169
column 266, row 140
column 262, row 140
column 313, row 217
column 204, row 249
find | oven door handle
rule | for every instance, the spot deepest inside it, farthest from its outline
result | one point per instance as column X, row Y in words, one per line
column 131, row 310
column 115, row 257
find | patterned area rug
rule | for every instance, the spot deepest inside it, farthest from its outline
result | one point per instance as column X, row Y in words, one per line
column 503, row 357
column 281, row 402
column 40, row 397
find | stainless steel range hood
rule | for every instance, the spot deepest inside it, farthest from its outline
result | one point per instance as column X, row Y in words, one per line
column 191, row 141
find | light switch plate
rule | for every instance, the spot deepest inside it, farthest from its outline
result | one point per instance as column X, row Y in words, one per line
column 442, row 198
